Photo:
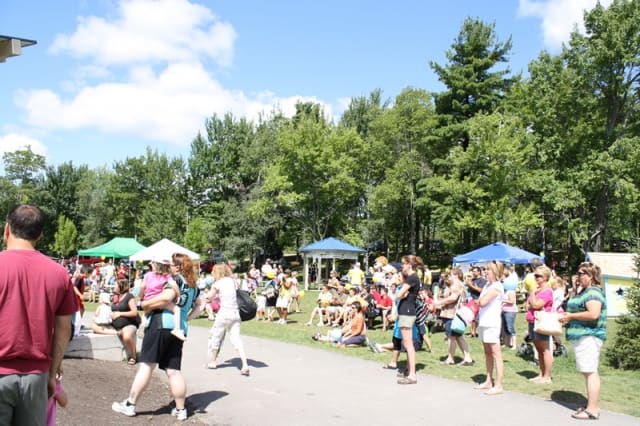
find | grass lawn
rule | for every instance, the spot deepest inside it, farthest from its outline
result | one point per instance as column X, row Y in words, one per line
column 620, row 389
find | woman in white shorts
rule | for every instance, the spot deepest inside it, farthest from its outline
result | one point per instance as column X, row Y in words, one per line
column 586, row 319
column 489, row 327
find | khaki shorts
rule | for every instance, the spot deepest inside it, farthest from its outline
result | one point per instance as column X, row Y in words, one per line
column 587, row 352
column 406, row 321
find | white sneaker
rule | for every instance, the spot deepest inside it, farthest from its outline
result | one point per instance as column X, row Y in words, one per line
column 179, row 414
column 179, row 334
column 124, row 408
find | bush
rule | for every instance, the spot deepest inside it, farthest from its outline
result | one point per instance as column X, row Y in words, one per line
column 625, row 352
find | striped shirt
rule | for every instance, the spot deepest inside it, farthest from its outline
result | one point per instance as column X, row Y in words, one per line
column 577, row 328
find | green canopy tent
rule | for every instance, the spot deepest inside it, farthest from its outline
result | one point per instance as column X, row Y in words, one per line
column 119, row 247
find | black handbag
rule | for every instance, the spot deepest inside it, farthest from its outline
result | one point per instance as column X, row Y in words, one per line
column 246, row 305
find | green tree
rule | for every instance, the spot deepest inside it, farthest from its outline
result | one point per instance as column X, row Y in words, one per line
column 607, row 60
column 313, row 179
column 472, row 85
column 66, row 237
column 147, row 196
column 24, row 168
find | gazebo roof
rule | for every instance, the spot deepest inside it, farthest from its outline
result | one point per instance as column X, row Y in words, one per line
column 331, row 248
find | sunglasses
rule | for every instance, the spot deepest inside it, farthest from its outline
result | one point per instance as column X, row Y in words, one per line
column 538, row 275
column 582, row 273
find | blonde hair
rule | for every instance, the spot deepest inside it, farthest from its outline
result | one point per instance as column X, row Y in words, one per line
column 220, row 271
column 497, row 268
column 544, row 271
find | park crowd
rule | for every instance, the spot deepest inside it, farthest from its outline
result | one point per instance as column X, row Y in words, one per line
column 404, row 296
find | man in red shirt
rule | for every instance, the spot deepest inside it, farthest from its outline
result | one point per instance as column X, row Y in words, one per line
column 36, row 303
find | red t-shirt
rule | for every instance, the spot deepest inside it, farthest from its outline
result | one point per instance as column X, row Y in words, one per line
column 33, row 291
column 385, row 301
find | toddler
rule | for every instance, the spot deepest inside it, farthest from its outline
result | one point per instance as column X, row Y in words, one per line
column 153, row 284
column 103, row 312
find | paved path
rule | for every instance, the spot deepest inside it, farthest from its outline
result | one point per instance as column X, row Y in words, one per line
column 300, row 385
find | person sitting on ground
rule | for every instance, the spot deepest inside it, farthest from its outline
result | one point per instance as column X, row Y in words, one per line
column 353, row 332
column 384, row 305
column 335, row 309
column 324, row 300
column 153, row 284
column 124, row 320
column 346, row 308
column 102, row 315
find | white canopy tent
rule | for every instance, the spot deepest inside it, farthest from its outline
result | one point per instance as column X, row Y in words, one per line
column 163, row 248
column 329, row 248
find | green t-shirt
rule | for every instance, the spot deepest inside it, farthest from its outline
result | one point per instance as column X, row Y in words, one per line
column 598, row 328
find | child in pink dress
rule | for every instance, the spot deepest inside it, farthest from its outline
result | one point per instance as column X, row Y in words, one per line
column 153, row 284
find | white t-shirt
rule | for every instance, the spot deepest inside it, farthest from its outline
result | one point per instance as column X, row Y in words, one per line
column 491, row 315
column 227, row 293
column 103, row 315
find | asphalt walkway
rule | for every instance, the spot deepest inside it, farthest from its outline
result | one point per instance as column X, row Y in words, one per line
column 300, row 385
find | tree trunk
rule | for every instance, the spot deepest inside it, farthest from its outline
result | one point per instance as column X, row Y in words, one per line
column 601, row 218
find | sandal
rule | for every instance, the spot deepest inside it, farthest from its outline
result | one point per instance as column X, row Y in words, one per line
column 131, row 361
column 407, row 381
column 483, row 386
column 244, row 371
column 585, row 415
column 389, row 367
column 211, row 365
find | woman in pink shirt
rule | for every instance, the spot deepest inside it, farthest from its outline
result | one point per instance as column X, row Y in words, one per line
column 541, row 298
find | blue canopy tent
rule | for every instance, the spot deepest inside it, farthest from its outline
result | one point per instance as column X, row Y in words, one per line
column 329, row 248
column 497, row 251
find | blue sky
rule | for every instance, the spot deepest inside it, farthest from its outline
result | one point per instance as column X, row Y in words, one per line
column 109, row 78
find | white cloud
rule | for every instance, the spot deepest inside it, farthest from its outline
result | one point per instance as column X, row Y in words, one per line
column 150, row 30
column 168, row 106
column 13, row 142
column 146, row 78
column 559, row 17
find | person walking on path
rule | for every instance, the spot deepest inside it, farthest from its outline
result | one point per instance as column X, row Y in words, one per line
column 228, row 318
column 36, row 303
column 159, row 346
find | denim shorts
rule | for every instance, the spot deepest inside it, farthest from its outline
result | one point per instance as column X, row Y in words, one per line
column 509, row 322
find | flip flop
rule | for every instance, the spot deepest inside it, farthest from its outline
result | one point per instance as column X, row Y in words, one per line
column 389, row 367
column 244, row 372
column 585, row 415
column 407, row 381
column 211, row 366
column 494, row 391
column 131, row 361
